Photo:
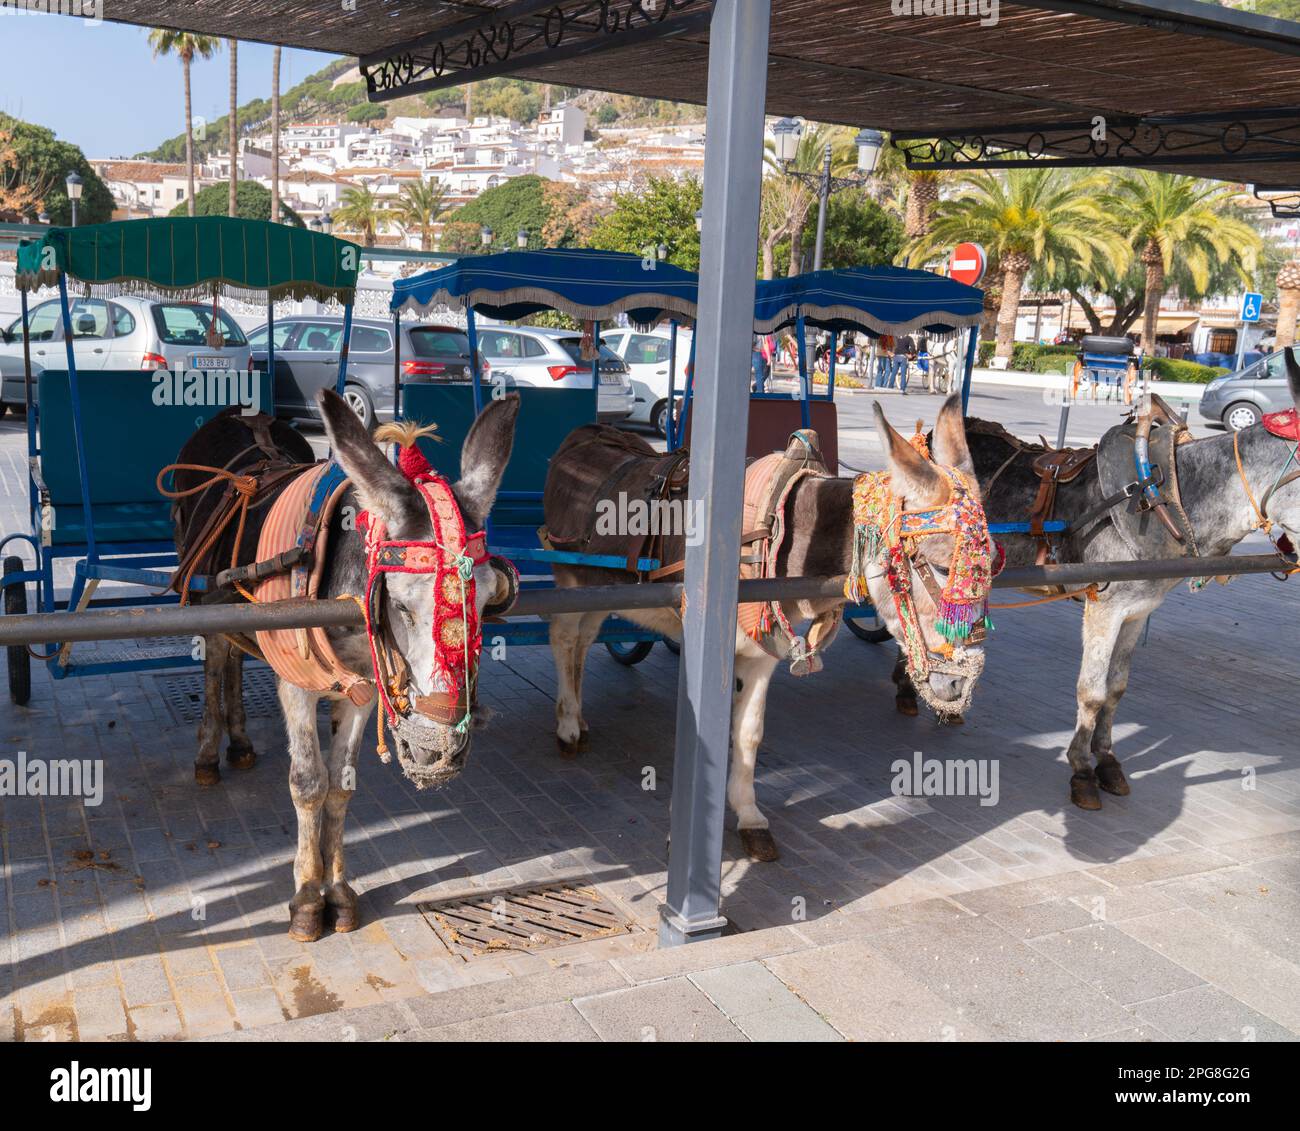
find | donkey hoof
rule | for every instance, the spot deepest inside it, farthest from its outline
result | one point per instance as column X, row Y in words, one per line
column 206, row 775
column 759, row 845
column 906, row 705
column 240, row 755
column 1110, row 777
column 1083, row 791
column 341, row 908
column 306, row 924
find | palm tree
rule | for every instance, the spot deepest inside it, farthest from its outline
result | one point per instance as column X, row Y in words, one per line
column 1165, row 217
column 233, row 122
column 810, row 157
column 362, row 213
column 275, row 136
column 185, row 44
column 915, row 191
column 1024, row 218
column 419, row 206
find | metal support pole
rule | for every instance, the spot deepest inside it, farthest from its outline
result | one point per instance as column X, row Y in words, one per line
column 823, row 202
column 672, row 381
column 270, row 342
column 972, row 346
column 737, row 93
column 476, row 378
column 343, row 350
column 397, row 365
column 805, row 384
column 679, row 433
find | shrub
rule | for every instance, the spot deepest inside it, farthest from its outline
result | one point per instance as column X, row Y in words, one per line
column 1024, row 355
column 1187, row 372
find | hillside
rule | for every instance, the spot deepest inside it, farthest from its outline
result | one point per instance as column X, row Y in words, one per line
column 337, row 91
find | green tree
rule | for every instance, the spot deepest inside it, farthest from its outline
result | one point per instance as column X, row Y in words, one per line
column 1025, row 218
column 186, row 46
column 367, row 113
column 419, row 206
column 361, row 212
column 859, row 232
column 34, row 166
column 662, row 211
column 518, row 203
column 1167, row 219
column 252, row 202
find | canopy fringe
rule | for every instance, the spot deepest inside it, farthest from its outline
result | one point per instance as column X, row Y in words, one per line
column 669, row 306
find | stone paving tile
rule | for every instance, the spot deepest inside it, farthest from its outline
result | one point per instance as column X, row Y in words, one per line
column 1122, row 968
column 559, row 1021
column 671, row 1010
column 1205, row 1013
column 1257, row 978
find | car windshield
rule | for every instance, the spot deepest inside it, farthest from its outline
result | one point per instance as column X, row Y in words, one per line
column 573, row 347
column 431, row 341
column 181, row 324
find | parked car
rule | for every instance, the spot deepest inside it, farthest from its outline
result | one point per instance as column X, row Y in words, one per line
column 307, row 359
column 647, row 357
column 122, row 333
column 545, row 358
column 1241, row 399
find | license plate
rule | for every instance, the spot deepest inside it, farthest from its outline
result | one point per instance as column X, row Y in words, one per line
column 210, row 362
column 610, row 379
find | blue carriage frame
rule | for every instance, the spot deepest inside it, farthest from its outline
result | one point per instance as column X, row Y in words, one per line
column 136, row 561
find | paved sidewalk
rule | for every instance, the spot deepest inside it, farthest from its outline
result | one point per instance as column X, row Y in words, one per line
column 160, row 913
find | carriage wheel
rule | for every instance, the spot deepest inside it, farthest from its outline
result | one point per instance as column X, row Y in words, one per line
column 19, row 660
column 629, row 652
column 867, row 626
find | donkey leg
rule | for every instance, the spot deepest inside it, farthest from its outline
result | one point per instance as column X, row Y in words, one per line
column 207, row 763
column 1109, row 775
column 568, row 709
column 1101, row 629
column 341, row 765
column 239, row 753
column 753, row 677
column 308, row 786
column 588, row 630
column 905, row 690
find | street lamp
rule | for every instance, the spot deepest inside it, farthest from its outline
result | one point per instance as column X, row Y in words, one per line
column 43, row 217
column 521, row 239
column 787, row 133
column 486, row 236
column 326, row 223
column 699, row 220
column 661, row 252
column 74, row 194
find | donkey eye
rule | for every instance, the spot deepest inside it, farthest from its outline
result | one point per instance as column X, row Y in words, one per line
column 406, row 613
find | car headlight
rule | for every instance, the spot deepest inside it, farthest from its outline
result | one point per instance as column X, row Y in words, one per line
column 1216, row 384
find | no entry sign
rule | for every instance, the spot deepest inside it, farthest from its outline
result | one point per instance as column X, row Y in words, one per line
column 967, row 263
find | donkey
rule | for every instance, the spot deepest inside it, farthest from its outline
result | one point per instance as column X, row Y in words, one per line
column 321, row 784
column 1224, row 502
column 819, row 541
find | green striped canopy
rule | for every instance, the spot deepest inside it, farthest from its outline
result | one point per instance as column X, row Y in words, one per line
column 194, row 257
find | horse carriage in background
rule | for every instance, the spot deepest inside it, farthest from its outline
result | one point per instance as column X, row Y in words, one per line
column 96, row 439
column 1112, row 363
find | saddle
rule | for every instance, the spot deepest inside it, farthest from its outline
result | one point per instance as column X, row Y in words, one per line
column 619, row 469
column 769, row 481
column 1061, row 465
column 1285, row 424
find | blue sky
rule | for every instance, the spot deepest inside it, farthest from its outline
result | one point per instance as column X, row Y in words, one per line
column 99, row 87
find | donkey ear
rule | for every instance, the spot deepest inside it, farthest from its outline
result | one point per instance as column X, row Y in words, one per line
column 383, row 489
column 1293, row 376
column 950, row 438
column 483, row 459
column 915, row 477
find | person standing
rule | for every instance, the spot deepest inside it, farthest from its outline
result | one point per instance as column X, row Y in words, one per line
column 904, row 347
column 884, row 361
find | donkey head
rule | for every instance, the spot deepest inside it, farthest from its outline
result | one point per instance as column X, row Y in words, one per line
column 919, row 484
column 405, row 615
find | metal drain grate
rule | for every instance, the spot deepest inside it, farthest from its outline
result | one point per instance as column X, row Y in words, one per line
column 183, row 695
column 524, row 919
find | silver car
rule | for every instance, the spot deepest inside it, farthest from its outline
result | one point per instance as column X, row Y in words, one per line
column 122, row 333
column 552, row 359
column 1241, row 399
column 307, row 359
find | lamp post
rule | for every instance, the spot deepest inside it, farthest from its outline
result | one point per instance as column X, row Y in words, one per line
column 661, row 252
column 485, row 236
column 521, row 239
column 74, row 194
column 699, row 220
column 787, row 133
column 326, row 223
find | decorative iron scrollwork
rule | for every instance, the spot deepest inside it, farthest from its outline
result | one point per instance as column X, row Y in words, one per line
column 1260, row 136
column 524, row 34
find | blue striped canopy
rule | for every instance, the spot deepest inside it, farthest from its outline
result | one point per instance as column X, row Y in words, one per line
column 878, row 300
column 582, row 283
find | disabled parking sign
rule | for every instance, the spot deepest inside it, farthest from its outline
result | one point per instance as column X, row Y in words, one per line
column 1251, row 305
